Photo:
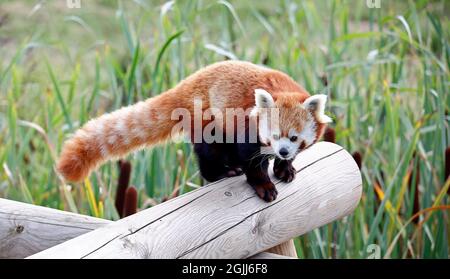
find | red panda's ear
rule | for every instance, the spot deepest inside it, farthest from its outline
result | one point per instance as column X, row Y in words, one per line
column 316, row 105
column 263, row 99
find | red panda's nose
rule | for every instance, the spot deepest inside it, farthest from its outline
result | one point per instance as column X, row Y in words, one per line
column 284, row 152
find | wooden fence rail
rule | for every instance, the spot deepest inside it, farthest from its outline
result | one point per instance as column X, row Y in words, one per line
column 223, row 219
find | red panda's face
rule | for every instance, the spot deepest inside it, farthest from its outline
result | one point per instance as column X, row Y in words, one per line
column 287, row 125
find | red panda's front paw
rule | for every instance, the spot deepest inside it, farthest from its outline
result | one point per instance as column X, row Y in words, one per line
column 266, row 191
column 285, row 172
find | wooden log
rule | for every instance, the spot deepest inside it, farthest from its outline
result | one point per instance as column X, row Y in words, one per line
column 284, row 249
column 271, row 256
column 226, row 219
column 26, row 229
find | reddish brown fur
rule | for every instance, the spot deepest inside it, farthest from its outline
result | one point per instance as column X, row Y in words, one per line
column 229, row 84
column 291, row 112
column 329, row 135
column 320, row 129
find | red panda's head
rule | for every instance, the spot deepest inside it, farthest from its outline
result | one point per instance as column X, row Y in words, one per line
column 289, row 124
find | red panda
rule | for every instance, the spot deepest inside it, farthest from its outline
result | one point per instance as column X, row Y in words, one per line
column 300, row 122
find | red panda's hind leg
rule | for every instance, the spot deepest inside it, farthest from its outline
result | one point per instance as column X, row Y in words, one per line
column 234, row 171
column 214, row 163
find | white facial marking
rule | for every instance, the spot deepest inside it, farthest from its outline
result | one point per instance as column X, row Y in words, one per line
column 308, row 134
column 287, row 144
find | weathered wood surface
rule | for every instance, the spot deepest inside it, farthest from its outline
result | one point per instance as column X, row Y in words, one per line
column 226, row 219
column 284, row 249
column 271, row 256
column 26, row 229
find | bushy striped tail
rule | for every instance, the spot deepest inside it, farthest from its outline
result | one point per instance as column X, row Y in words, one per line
column 116, row 134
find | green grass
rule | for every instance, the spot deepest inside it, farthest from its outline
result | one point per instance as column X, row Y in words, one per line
column 387, row 76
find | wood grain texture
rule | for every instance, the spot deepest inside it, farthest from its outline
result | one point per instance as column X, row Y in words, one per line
column 27, row 229
column 271, row 256
column 284, row 249
column 226, row 219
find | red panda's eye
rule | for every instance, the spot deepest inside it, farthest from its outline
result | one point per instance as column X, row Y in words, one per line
column 294, row 138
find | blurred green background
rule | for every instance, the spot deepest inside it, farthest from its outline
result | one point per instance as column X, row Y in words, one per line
column 385, row 69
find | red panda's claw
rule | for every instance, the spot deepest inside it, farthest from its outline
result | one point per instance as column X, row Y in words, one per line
column 267, row 191
column 285, row 174
column 234, row 172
